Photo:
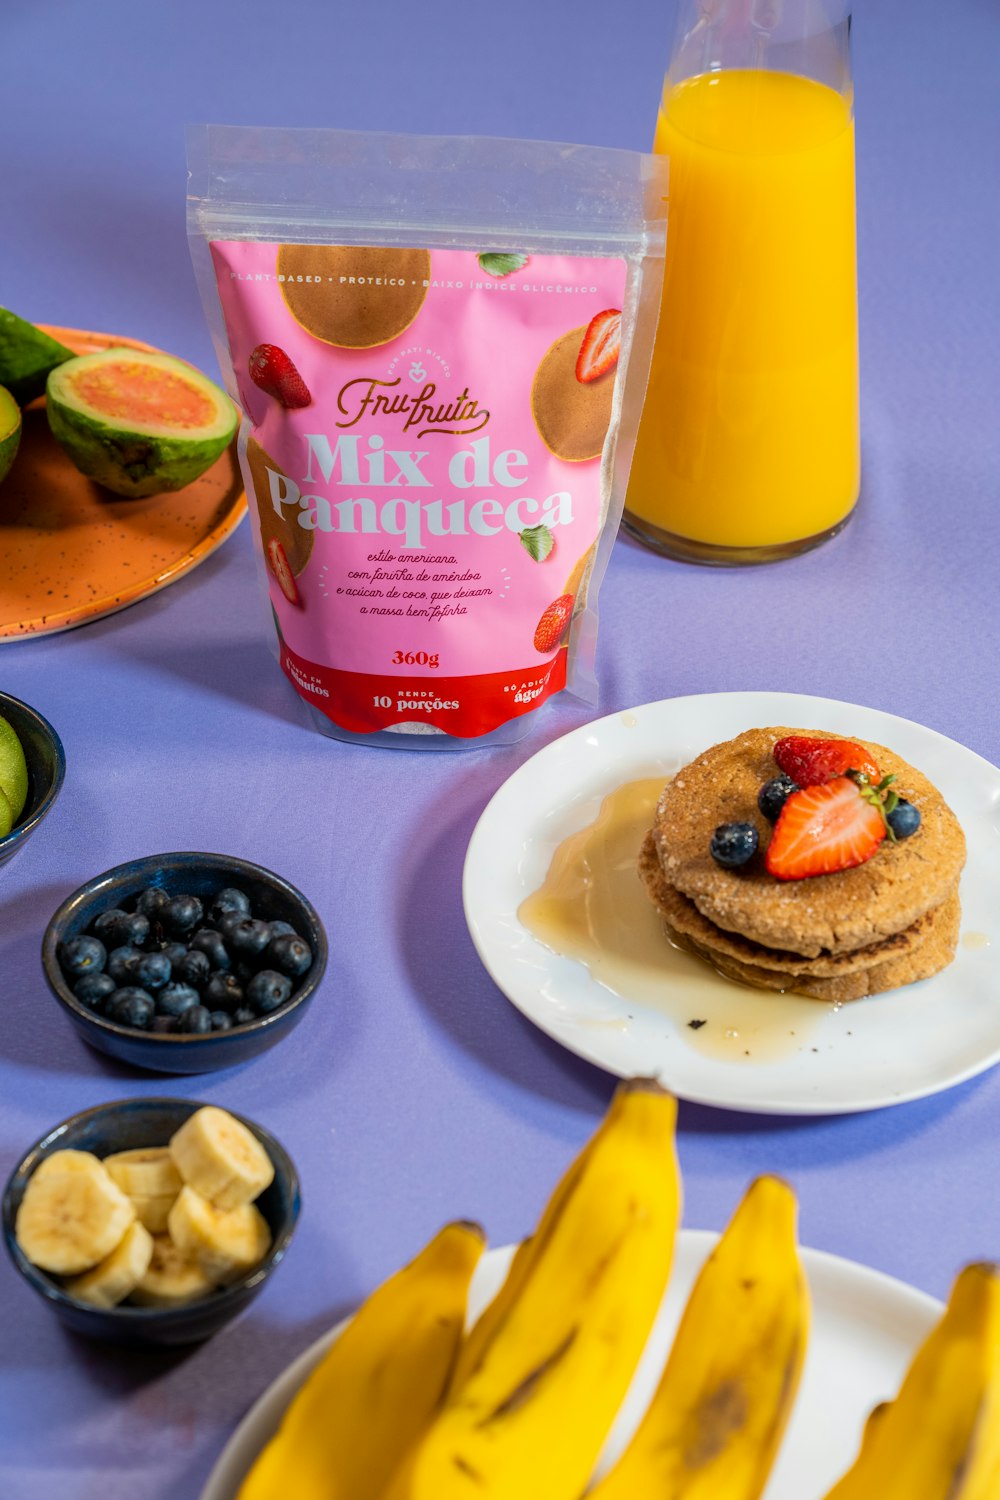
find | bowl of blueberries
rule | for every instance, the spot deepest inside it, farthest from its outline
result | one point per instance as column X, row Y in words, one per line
column 185, row 962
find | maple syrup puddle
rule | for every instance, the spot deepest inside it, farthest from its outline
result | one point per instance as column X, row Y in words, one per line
column 593, row 907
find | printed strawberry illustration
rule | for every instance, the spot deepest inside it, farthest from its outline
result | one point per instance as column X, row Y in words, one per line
column 272, row 371
column 810, row 761
column 826, row 828
column 552, row 626
column 601, row 346
column 277, row 561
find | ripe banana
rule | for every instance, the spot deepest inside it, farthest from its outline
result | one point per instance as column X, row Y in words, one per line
column 71, row 1216
column 378, row 1386
column 481, row 1333
column 119, row 1273
column 940, row 1438
column 528, row 1422
column 170, row 1279
column 712, row 1429
column 220, row 1158
column 149, row 1176
column 225, row 1243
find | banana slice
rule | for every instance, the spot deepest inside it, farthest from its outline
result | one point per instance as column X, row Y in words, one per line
column 147, row 1172
column 224, row 1242
column 153, row 1210
column 63, row 1162
column 149, row 1176
column 220, row 1158
column 170, row 1279
column 71, row 1219
column 113, row 1278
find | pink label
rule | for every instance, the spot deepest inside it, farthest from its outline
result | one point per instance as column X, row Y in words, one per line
column 425, row 462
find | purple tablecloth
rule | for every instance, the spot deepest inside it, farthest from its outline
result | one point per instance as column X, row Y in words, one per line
column 414, row 1092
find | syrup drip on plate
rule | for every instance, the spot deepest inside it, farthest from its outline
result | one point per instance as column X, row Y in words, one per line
column 592, row 907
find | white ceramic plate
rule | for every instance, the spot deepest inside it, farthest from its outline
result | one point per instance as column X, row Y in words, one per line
column 893, row 1047
column 865, row 1329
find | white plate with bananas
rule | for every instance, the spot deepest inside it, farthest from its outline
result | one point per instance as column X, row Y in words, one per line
column 563, row 926
column 865, row 1329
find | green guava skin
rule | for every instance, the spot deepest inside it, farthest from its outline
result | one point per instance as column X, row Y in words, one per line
column 10, row 431
column 133, row 464
column 27, row 357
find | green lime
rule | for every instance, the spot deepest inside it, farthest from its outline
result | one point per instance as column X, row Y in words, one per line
column 13, row 771
column 10, row 431
column 6, row 815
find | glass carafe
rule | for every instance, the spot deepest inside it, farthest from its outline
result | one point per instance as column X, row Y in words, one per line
column 748, row 448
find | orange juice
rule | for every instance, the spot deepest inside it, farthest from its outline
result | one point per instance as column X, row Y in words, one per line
column 749, row 434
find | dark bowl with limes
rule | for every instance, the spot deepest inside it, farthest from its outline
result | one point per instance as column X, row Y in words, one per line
column 46, row 762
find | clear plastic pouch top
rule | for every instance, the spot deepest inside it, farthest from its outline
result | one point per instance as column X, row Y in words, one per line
column 439, row 347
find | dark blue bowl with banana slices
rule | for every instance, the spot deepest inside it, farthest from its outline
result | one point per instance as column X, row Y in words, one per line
column 151, row 1222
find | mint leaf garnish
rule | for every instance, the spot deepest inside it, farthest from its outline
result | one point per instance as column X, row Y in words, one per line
column 500, row 262
column 537, row 541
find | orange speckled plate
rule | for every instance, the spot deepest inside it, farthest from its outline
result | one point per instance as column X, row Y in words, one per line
column 71, row 551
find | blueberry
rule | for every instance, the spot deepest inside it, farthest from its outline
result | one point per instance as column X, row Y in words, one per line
column 105, row 926
column 151, row 901
column 248, row 938
column 221, row 1020
column 175, row 999
column 163, row 1024
column 120, row 961
column 228, row 921
column 242, row 1015
column 733, row 844
column 223, row 992
column 131, row 1006
column 268, row 991
column 230, row 900
column 773, row 794
column 151, row 970
column 175, row 952
column 82, row 955
column 134, row 930
column 194, row 969
column 94, row 989
column 279, row 926
column 206, row 940
column 904, row 819
column 289, row 954
column 181, row 915
column 197, row 1019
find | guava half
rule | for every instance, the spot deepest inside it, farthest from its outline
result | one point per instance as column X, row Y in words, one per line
column 10, row 431
column 26, row 356
column 137, row 422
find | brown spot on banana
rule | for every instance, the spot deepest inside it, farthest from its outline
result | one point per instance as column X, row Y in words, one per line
column 522, row 1391
column 717, row 1418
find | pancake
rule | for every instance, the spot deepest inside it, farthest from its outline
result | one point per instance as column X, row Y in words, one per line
column 686, row 921
column 828, row 914
column 360, row 296
column 572, row 417
column 905, row 968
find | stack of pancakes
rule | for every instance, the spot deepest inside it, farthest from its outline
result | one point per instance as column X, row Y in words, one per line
column 887, row 922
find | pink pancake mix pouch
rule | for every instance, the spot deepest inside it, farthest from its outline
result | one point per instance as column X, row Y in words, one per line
column 439, row 348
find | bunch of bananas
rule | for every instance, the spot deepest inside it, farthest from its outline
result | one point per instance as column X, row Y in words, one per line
column 407, row 1405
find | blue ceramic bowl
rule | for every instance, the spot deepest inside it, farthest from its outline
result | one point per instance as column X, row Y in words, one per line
column 122, row 1126
column 46, row 760
column 202, row 875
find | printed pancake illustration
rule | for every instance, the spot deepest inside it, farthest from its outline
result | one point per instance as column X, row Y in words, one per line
column 572, row 417
column 296, row 542
column 359, row 296
column 578, row 581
